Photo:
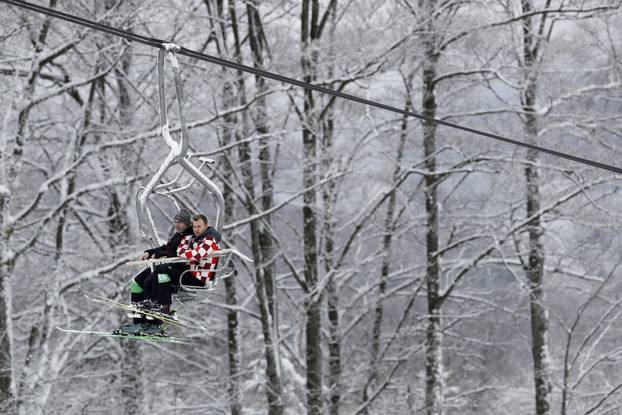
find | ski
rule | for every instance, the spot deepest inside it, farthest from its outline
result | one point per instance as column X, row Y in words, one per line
column 152, row 338
column 128, row 307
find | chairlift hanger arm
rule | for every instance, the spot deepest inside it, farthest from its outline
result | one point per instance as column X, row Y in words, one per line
column 171, row 183
column 182, row 148
column 180, row 188
column 177, row 150
column 211, row 186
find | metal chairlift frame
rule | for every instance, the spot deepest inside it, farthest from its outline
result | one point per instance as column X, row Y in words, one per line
column 178, row 154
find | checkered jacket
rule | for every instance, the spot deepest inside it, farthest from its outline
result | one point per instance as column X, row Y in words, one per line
column 199, row 252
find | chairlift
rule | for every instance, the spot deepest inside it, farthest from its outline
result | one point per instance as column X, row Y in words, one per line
column 179, row 155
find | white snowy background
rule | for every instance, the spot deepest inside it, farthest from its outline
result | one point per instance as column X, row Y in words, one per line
column 400, row 268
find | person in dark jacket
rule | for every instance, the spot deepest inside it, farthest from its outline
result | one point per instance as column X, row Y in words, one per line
column 145, row 285
column 183, row 227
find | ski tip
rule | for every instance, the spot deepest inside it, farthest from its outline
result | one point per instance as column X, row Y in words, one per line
column 147, row 338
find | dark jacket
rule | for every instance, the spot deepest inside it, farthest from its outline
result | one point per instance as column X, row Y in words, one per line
column 210, row 233
column 169, row 249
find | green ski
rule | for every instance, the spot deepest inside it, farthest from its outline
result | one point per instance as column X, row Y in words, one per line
column 157, row 339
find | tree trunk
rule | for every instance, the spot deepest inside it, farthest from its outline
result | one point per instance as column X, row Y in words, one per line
column 387, row 243
column 332, row 294
column 265, row 163
column 7, row 265
column 309, row 56
column 433, row 352
column 329, row 199
column 273, row 387
column 131, row 364
column 233, row 352
column 227, row 133
column 535, row 263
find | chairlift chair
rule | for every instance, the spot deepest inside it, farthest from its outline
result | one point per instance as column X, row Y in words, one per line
column 179, row 155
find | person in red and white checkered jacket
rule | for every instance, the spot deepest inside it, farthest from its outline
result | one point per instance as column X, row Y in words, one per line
column 200, row 248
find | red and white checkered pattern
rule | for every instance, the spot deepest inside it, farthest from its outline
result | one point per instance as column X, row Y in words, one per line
column 202, row 264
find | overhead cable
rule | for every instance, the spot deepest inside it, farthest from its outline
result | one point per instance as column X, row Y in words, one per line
column 160, row 44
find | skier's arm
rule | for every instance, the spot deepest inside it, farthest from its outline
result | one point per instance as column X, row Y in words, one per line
column 183, row 246
column 160, row 251
column 154, row 252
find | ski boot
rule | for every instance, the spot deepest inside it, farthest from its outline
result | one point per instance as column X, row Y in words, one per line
column 156, row 308
column 136, row 314
column 140, row 307
column 150, row 329
column 129, row 329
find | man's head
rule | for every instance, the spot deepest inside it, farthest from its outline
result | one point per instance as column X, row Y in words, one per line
column 199, row 224
column 183, row 219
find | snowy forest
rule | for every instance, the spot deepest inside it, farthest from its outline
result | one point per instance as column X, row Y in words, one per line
column 401, row 266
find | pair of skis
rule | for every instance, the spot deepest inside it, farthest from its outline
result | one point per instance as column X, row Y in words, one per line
column 128, row 307
column 223, row 272
column 152, row 338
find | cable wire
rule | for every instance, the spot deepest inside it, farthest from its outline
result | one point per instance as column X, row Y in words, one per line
column 158, row 43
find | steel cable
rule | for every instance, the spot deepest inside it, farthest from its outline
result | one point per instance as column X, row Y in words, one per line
column 158, row 43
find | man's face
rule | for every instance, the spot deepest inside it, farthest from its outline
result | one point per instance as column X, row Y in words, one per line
column 180, row 226
column 198, row 226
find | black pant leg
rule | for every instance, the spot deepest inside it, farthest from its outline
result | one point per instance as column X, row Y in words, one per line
column 140, row 280
column 151, row 285
column 176, row 270
column 163, row 290
column 191, row 280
